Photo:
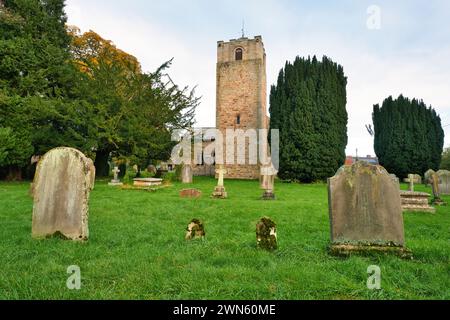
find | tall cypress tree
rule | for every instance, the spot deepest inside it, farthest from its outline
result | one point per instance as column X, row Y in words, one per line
column 408, row 136
column 307, row 105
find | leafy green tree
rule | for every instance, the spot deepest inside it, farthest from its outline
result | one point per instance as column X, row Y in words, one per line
column 36, row 78
column 34, row 48
column 307, row 105
column 14, row 151
column 408, row 136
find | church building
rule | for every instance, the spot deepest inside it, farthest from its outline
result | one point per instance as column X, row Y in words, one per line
column 241, row 96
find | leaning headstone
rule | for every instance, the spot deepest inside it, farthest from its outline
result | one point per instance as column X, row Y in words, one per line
column 190, row 193
column 115, row 181
column 186, row 173
column 266, row 234
column 195, row 230
column 444, row 182
column 433, row 180
column 62, row 184
column 268, row 174
column 365, row 210
column 219, row 190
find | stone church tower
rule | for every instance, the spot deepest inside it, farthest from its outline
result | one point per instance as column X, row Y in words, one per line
column 241, row 101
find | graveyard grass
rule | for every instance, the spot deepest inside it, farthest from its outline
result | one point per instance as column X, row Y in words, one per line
column 137, row 249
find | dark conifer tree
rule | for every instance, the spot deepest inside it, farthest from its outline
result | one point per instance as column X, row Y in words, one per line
column 408, row 136
column 307, row 105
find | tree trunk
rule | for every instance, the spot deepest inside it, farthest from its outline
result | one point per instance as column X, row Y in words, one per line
column 14, row 174
column 101, row 163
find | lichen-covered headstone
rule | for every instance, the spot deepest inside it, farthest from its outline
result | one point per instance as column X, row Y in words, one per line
column 62, row 183
column 195, row 230
column 266, row 234
column 444, row 182
column 365, row 210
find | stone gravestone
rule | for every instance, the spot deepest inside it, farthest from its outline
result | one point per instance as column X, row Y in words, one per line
column 195, row 230
column 190, row 193
column 444, row 182
column 115, row 181
column 410, row 181
column 268, row 174
column 427, row 176
column 62, row 184
column 432, row 178
column 415, row 201
column 266, row 234
column 413, row 179
column 91, row 177
column 92, row 173
column 152, row 169
column 186, row 173
column 219, row 190
column 365, row 211
column 417, row 179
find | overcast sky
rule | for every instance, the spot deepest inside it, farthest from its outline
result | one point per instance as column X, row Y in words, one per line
column 409, row 53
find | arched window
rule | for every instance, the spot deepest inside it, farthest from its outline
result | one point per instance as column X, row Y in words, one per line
column 238, row 119
column 238, row 54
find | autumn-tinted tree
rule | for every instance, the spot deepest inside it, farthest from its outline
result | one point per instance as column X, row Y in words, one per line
column 408, row 136
column 133, row 111
column 62, row 88
column 307, row 105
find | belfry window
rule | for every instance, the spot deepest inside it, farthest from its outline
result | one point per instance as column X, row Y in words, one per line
column 238, row 54
column 238, row 119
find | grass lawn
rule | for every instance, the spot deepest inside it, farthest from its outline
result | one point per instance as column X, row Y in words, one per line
column 137, row 249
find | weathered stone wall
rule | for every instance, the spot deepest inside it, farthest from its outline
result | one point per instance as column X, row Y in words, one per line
column 203, row 170
column 241, row 91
